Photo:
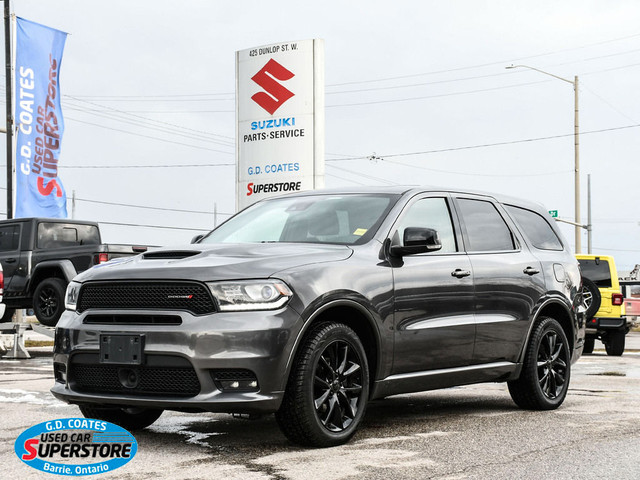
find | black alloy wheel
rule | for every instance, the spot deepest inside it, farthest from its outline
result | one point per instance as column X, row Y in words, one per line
column 337, row 386
column 544, row 380
column 328, row 388
column 48, row 301
column 552, row 365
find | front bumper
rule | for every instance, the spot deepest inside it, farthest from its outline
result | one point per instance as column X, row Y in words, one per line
column 199, row 348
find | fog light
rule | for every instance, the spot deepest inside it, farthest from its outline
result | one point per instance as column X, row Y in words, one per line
column 235, row 380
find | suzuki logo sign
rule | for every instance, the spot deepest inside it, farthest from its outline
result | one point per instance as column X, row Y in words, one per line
column 274, row 94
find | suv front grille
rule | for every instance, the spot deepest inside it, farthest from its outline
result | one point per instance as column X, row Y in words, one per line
column 190, row 296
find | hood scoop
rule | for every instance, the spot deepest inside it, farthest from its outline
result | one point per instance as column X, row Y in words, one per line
column 170, row 255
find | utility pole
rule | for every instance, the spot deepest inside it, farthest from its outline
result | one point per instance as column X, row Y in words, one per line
column 589, row 213
column 576, row 150
column 9, row 124
column 576, row 144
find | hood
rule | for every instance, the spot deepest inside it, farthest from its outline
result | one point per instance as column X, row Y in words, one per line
column 204, row 262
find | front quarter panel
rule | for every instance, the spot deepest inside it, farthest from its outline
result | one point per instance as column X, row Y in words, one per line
column 362, row 283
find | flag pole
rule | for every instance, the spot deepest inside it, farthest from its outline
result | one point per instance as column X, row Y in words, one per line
column 9, row 124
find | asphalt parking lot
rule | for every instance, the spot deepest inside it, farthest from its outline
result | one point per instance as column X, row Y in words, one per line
column 473, row 432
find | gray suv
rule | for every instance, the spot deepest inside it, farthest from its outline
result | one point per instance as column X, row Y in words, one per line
column 310, row 305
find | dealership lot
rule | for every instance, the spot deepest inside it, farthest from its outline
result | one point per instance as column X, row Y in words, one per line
column 465, row 432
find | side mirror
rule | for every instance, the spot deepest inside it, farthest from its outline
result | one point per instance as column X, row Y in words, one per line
column 197, row 238
column 417, row 240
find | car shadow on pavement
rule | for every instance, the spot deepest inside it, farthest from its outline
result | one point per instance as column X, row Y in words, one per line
column 394, row 416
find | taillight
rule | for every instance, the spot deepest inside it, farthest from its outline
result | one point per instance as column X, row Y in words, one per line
column 617, row 299
column 1, row 282
column 103, row 257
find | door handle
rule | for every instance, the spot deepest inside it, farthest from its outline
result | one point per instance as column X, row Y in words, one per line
column 10, row 260
column 459, row 273
column 531, row 271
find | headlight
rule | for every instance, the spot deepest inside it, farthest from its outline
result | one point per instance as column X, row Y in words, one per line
column 250, row 294
column 71, row 297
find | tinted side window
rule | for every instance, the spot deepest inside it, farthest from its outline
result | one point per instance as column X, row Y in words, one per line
column 9, row 238
column 536, row 228
column 57, row 235
column 486, row 230
column 597, row 271
column 431, row 213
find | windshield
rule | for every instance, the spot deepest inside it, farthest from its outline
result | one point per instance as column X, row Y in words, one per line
column 349, row 219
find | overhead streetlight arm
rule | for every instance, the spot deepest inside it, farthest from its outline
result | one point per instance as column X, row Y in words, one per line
column 542, row 71
column 577, row 223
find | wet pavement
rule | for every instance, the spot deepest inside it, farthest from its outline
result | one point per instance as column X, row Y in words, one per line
column 473, row 432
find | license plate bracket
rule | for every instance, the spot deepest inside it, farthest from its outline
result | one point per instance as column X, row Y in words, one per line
column 121, row 348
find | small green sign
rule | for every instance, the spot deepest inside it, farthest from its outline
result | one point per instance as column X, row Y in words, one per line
column 553, row 213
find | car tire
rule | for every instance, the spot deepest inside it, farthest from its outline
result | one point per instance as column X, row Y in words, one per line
column 614, row 343
column 131, row 418
column 8, row 315
column 328, row 388
column 48, row 301
column 591, row 296
column 589, row 343
column 546, row 371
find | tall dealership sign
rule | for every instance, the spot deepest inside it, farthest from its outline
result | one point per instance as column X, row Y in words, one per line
column 280, row 120
column 39, row 122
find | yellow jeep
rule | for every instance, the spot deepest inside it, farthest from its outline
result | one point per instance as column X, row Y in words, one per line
column 605, row 314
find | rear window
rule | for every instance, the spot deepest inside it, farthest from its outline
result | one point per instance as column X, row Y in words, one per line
column 597, row 271
column 58, row 235
column 9, row 238
column 486, row 230
column 536, row 228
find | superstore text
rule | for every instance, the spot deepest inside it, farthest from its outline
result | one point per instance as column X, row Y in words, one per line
column 273, row 187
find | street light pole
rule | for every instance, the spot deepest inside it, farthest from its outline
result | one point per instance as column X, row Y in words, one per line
column 576, row 152
column 576, row 143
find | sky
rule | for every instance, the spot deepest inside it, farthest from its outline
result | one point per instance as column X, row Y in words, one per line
column 416, row 94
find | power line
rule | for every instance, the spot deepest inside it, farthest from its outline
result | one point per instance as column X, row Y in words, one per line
column 143, row 122
column 452, row 94
column 149, row 207
column 606, row 102
column 176, row 165
column 364, row 175
column 364, row 157
column 100, row 202
column 502, row 62
column 148, row 136
column 135, row 123
column 154, row 226
column 199, row 96
column 486, row 145
column 477, row 77
column 100, row 97
column 411, row 99
column 384, row 79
